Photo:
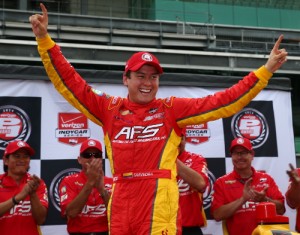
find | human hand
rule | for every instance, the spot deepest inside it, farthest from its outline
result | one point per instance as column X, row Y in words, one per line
column 277, row 57
column 100, row 184
column 293, row 174
column 33, row 184
column 248, row 192
column 93, row 171
column 39, row 23
column 29, row 188
column 260, row 196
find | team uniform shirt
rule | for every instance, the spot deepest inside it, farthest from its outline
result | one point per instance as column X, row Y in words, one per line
column 19, row 219
column 93, row 217
column 298, row 211
column 142, row 140
column 190, row 200
column 230, row 187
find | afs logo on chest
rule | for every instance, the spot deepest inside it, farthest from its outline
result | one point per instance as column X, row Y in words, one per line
column 138, row 132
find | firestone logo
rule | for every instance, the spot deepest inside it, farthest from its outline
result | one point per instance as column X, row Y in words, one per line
column 250, row 124
column 54, row 186
column 14, row 125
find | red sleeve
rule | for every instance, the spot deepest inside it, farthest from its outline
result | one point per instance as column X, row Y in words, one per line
column 42, row 194
column 200, row 165
column 218, row 196
column 67, row 192
column 222, row 104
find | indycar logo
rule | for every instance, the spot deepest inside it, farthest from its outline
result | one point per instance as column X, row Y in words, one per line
column 197, row 134
column 14, row 125
column 250, row 124
column 72, row 128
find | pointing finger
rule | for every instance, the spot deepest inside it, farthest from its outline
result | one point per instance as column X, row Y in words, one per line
column 277, row 43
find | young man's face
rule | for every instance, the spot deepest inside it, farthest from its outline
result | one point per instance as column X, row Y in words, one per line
column 142, row 84
column 18, row 162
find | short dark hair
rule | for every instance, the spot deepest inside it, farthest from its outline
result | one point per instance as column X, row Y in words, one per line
column 5, row 167
column 127, row 74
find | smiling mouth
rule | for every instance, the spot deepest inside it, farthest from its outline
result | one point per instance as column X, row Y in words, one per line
column 145, row 90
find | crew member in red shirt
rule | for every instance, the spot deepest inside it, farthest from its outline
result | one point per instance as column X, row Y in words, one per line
column 192, row 181
column 23, row 197
column 84, row 196
column 237, row 193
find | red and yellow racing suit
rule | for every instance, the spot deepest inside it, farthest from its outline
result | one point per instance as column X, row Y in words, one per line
column 142, row 140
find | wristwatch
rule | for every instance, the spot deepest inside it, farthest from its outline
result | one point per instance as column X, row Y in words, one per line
column 15, row 202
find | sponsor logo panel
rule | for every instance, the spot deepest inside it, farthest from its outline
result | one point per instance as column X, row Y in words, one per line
column 72, row 128
column 20, row 119
column 257, row 123
column 197, row 134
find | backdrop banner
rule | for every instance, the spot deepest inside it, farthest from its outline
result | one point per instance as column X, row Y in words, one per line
column 33, row 111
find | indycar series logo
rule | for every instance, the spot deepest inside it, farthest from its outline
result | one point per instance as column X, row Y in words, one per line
column 197, row 134
column 72, row 128
column 14, row 125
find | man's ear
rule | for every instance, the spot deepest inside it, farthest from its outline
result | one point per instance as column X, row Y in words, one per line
column 125, row 80
column 5, row 161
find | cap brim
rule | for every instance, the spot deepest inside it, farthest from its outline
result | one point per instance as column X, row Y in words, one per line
column 28, row 149
column 136, row 67
column 232, row 147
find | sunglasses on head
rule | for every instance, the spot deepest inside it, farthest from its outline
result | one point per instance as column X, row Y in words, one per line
column 89, row 155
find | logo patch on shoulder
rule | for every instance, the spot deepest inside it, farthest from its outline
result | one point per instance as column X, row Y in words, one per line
column 168, row 101
column 114, row 102
column 230, row 181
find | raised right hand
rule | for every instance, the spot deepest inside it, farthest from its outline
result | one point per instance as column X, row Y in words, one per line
column 39, row 23
column 277, row 57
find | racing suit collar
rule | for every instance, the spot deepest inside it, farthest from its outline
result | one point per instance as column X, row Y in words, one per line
column 135, row 105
